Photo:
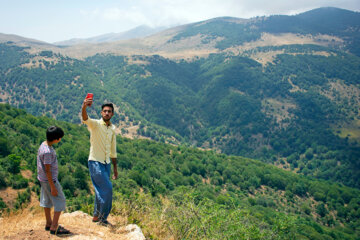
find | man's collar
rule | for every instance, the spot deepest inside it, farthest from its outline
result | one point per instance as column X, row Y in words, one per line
column 103, row 122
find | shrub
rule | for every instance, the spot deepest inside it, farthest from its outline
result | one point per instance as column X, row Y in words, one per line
column 19, row 182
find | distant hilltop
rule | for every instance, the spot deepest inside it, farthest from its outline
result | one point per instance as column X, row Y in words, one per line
column 334, row 27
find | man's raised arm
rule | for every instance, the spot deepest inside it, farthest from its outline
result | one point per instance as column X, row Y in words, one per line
column 87, row 102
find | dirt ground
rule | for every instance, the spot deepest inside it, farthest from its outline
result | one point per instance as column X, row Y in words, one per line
column 29, row 224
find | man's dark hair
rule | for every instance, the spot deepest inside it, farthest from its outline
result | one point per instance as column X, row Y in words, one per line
column 54, row 133
column 107, row 105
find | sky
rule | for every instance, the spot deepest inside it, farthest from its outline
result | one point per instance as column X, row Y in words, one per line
column 52, row 21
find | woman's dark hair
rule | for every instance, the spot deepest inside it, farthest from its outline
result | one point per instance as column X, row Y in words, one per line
column 107, row 105
column 54, row 133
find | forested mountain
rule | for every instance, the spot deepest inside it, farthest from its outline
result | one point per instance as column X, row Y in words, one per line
column 229, row 32
column 281, row 89
column 181, row 192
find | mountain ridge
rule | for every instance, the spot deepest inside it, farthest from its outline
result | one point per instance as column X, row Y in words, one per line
column 186, row 41
column 137, row 32
column 13, row 38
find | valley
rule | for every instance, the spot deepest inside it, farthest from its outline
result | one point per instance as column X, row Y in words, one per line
column 245, row 124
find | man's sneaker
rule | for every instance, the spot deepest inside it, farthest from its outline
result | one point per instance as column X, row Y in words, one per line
column 104, row 223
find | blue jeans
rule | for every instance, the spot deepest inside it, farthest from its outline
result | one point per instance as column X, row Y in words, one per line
column 100, row 177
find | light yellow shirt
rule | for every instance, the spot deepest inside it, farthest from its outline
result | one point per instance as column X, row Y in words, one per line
column 102, row 140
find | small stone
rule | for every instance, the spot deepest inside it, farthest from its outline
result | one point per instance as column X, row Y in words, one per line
column 76, row 214
column 134, row 232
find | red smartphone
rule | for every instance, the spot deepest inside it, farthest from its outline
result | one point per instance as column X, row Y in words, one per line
column 89, row 95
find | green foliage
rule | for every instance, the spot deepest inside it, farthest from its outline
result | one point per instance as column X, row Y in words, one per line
column 210, row 189
column 12, row 164
column 232, row 32
column 174, row 165
column 321, row 210
column 23, row 146
column 283, row 112
column 2, row 205
column 3, row 182
column 4, row 145
column 206, row 219
column 22, row 198
column 11, row 56
column 186, row 216
column 220, row 102
column 19, row 182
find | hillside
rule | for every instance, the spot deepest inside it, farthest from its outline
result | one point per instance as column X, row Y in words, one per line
column 281, row 89
column 294, row 105
column 175, row 191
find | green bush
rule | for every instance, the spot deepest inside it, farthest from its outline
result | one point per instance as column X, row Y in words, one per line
column 2, row 205
column 3, row 182
column 19, row 182
column 12, row 164
column 22, row 198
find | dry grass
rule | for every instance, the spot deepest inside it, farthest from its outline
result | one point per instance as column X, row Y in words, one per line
column 4, row 95
column 9, row 195
column 348, row 96
column 150, row 213
column 346, row 91
column 282, row 39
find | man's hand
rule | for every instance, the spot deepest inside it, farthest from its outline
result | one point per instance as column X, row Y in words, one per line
column 87, row 102
column 115, row 174
column 54, row 191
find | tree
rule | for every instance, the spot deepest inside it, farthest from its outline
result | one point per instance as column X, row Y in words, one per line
column 321, row 209
column 13, row 164
column 2, row 179
column 4, row 146
column 69, row 184
column 300, row 189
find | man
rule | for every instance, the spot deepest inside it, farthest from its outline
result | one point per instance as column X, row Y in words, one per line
column 102, row 149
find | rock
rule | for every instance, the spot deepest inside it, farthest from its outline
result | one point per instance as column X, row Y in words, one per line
column 76, row 214
column 131, row 232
